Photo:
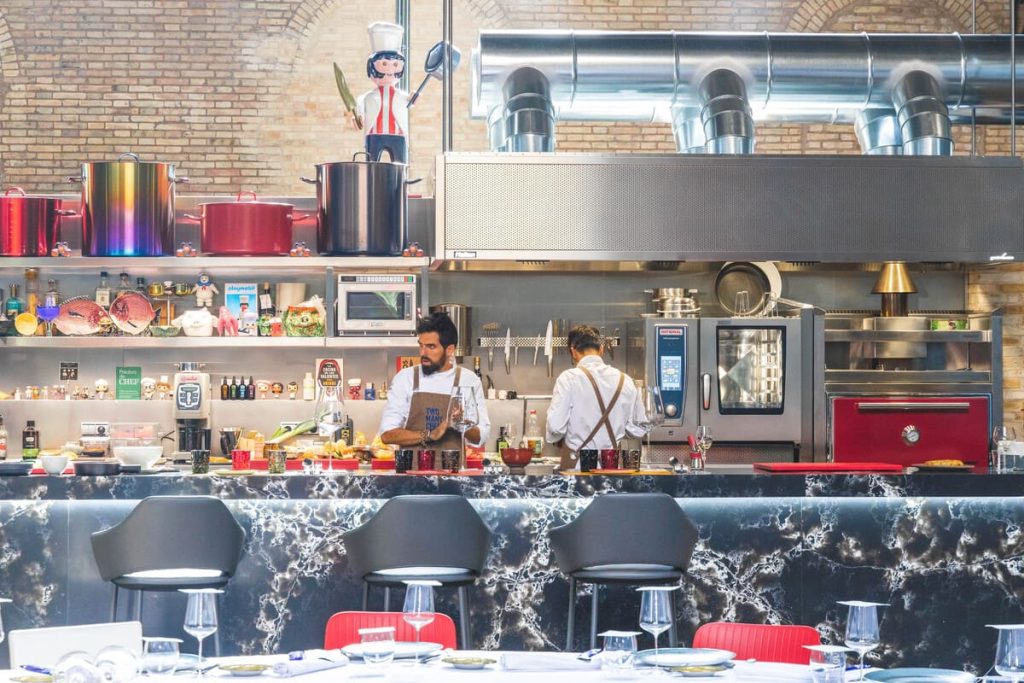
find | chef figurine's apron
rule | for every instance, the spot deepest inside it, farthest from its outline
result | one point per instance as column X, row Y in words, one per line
column 569, row 457
column 428, row 410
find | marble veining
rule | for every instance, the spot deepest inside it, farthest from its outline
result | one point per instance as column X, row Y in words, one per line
column 945, row 551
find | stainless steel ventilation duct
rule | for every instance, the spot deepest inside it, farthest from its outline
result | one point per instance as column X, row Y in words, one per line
column 728, row 125
column 927, row 80
column 878, row 132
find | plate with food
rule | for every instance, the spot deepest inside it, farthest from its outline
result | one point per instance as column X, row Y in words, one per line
column 244, row 670
column 699, row 671
column 944, row 465
column 32, row 678
column 469, row 663
column 131, row 313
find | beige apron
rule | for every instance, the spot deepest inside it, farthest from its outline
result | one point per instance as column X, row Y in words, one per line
column 427, row 410
column 569, row 457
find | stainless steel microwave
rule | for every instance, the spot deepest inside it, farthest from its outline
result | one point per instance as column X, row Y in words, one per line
column 376, row 303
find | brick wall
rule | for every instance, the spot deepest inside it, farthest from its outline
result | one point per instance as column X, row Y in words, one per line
column 240, row 93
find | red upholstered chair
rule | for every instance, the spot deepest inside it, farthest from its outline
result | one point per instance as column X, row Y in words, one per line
column 765, row 643
column 343, row 628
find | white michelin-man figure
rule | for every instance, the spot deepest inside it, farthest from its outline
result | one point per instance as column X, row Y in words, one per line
column 204, row 291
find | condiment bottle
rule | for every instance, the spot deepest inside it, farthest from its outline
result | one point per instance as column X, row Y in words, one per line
column 30, row 441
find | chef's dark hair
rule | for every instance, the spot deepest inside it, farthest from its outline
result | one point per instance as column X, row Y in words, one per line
column 443, row 325
column 585, row 337
column 371, row 70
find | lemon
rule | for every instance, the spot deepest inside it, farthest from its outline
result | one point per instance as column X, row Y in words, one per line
column 26, row 324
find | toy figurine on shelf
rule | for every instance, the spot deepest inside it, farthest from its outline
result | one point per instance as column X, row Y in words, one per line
column 300, row 249
column 414, row 249
column 102, row 387
column 227, row 325
column 277, row 389
column 186, row 249
column 293, row 390
column 148, row 388
column 204, row 291
column 61, row 249
column 383, row 113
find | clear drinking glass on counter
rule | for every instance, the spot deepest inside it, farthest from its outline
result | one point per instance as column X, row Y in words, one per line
column 1002, row 438
column 378, row 645
column 619, row 649
column 160, row 655
column 827, row 663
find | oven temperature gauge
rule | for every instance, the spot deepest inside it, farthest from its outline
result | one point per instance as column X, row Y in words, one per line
column 910, row 435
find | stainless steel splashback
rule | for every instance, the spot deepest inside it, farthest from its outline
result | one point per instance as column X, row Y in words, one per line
column 706, row 208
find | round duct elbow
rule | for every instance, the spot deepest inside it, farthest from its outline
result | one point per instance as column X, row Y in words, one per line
column 878, row 132
column 923, row 116
column 529, row 117
column 725, row 114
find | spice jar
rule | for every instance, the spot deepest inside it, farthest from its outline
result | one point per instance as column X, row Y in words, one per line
column 355, row 389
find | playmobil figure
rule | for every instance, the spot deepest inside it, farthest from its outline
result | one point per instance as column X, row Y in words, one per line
column 384, row 111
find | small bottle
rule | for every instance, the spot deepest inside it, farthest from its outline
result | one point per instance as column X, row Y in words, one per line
column 532, row 436
column 225, row 391
column 13, row 306
column 52, row 298
column 140, row 286
column 31, row 290
column 30, row 441
column 102, row 296
column 383, row 393
column 308, row 387
column 3, row 439
column 502, row 442
column 233, row 390
column 250, row 390
column 476, row 366
column 369, row 393
column 125, row 286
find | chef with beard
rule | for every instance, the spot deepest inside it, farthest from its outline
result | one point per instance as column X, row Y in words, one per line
column 416, row 413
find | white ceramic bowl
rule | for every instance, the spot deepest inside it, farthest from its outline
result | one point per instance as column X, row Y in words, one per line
column 53, row 464
column 145, row 456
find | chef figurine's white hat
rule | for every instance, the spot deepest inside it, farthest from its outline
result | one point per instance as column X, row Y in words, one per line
column 385, row 36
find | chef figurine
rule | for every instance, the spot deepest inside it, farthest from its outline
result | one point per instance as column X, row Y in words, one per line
column 384, row 111
column 204, row 291
column 102, row 387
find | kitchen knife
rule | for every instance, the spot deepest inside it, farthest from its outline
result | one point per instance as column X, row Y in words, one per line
column 508, row 350
column 346, row 95
column 549, row 351
column 536, row 349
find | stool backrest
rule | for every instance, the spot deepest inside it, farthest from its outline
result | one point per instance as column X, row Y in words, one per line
column 763, row 642
column 343, row 628
column 419, row 531
column 45, row 646
column 626, row 528
column 171, row 532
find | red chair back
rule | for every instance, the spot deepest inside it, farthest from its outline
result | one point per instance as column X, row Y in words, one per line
column 343, row 628
column 765, row 643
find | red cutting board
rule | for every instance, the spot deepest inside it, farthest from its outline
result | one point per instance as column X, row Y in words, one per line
column 799, row 467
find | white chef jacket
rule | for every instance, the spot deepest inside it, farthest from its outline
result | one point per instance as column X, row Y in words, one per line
column 396, row 412
column 574, row 410
column 385, row 111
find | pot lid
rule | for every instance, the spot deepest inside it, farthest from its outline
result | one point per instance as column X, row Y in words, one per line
column 251, row 201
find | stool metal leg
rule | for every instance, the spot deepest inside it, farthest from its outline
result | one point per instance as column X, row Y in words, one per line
column 673, row 636
column 571, row 628
column 216, row 634
column 387, row 598
column 366, row 594
column 593, row 618
column 464, row 616
column 113, row 605
column 138, row 605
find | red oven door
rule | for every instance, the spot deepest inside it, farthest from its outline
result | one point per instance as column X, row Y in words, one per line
column 908, row 430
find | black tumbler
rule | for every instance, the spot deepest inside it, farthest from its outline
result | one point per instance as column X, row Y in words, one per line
column 588, row 459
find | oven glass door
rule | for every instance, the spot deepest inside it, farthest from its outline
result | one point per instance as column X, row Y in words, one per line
column 751, row 370
column 375, row 305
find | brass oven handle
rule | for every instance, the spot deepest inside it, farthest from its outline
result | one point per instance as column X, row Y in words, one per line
column 705, row 390
column 944, row 407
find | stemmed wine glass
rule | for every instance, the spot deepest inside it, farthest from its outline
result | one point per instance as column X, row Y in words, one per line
column 463, row 413
column 655, row 611
column 47, row 314
column 418, row 610
column 862, row 633
column 704, row 440
column 201, row 617
column 1010, row 651
column 330, row 416
column 650, row 413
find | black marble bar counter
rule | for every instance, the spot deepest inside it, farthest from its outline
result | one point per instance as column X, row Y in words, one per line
column 944, row 550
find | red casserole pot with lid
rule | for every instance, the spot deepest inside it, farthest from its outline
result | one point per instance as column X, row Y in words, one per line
column 29, row 226
column 247, row 228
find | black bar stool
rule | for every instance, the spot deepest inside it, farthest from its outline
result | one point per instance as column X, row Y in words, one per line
column 439, row 538
column 624, row 538
column 168, row 543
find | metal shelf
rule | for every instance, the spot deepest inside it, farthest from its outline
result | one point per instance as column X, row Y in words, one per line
column 207, row 342
column 906, row 376
column 372, row 342
column 531, row 342
column 216, row 263
column 945, row 336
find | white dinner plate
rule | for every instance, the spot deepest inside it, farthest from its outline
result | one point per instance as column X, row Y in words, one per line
column 920, row 676
column 403, row 649
column 684, row 656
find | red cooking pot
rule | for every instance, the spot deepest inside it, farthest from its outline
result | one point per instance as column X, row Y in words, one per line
column 29, row 226
column 247, row 228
